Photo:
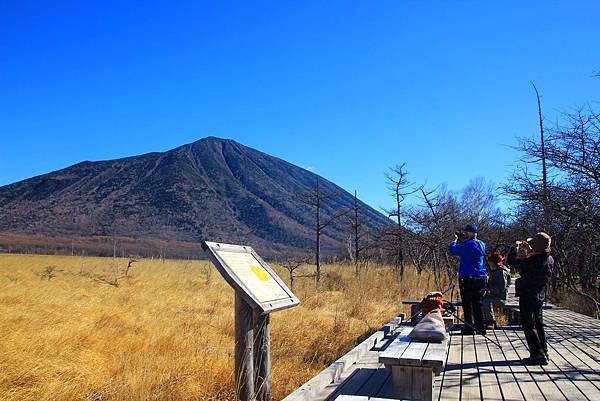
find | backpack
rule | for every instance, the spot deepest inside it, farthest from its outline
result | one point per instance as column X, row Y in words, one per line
column 432, row 301
column 430, row 329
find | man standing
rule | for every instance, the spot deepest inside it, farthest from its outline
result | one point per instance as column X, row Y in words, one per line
column 472, row 276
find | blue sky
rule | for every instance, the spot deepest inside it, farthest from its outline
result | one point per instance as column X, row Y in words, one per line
column 346, row 88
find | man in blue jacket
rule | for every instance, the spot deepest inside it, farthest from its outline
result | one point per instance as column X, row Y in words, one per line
column 472, row 276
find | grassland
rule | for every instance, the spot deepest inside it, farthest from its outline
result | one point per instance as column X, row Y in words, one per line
column 74, row 328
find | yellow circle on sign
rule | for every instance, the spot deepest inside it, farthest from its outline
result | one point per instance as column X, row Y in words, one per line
column 260, row 272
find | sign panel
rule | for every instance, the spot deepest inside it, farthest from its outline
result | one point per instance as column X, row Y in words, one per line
column 247, row 273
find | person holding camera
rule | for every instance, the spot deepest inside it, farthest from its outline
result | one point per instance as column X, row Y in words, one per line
column 535, row 264
column 472, row 276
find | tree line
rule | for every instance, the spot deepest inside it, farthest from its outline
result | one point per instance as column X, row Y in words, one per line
column 555, row 189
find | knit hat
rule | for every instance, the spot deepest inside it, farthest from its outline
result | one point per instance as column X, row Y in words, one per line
column 496, row 258
column 540, row 243
column 472, row 228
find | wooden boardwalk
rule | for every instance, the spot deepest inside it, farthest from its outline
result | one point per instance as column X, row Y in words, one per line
column 476, row 369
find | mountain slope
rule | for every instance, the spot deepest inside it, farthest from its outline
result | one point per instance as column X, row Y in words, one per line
column 212, row 189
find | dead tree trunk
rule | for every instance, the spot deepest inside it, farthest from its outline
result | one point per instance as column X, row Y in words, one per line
column 545, row 193
column 400, row 187
column 317, row 198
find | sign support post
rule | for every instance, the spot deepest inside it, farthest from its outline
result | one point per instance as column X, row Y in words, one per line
column 259, row 291
column 244, row 356
column 262, row 356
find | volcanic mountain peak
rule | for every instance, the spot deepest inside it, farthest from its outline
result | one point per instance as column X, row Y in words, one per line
column 213, row 189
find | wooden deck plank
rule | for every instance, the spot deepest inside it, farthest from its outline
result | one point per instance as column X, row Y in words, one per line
column 583, row 338
column 539, row 373
column 471, row 390
column 588, row 320
column 568, row 314
column 450, row 381
column 507, row 383
column 573, row 319
column 368, row 361
column 435, row 356
column 387, row 389
column 351, row 385
column 573, row 342
column 577, row 360
column 488, row 380
column 570, row 324
column 578, row 366
column 374, row 385
column 396, row 348
column 524, row 380
column 573, row 373
column 556, row 370
column 413, row 355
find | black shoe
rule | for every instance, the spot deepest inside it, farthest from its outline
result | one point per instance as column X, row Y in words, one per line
column 482, row 332
column 535, row 360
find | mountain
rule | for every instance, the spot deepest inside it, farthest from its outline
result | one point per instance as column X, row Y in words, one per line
column 213, row 189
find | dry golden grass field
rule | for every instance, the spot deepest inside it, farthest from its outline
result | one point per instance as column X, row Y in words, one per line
column 74, row 328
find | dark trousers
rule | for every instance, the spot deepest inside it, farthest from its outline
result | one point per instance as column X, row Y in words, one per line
column 530, row 309
column 471, row 293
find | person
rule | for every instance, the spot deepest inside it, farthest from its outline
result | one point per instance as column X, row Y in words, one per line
column 535, row 265
column 472, row 276
column 497, row 288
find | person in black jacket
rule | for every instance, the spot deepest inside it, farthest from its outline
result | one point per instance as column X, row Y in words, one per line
column 535, row 264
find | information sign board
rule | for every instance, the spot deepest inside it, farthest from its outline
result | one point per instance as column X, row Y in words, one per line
column 251, row 276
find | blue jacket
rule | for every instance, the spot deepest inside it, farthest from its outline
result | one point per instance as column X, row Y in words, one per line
column 472, row 257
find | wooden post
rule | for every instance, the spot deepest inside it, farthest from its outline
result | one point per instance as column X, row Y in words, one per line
column 252, row 340
column 262, row 356
column 244, row 363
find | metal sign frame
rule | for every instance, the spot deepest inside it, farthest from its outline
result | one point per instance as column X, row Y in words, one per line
column 213, row 249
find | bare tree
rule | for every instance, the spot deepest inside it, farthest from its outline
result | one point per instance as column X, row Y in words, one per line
column 130, row 263
column 545, row 193
column 49, row 272
column 400, row 187
column 319, row 198
column 571, row 214
column 162, row 251
column 116, row 275
column 478, row 204
column 293, row 263
column 430, row 225
column 357, row 243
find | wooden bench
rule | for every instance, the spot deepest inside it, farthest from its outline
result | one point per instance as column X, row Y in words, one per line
column 414, row 365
